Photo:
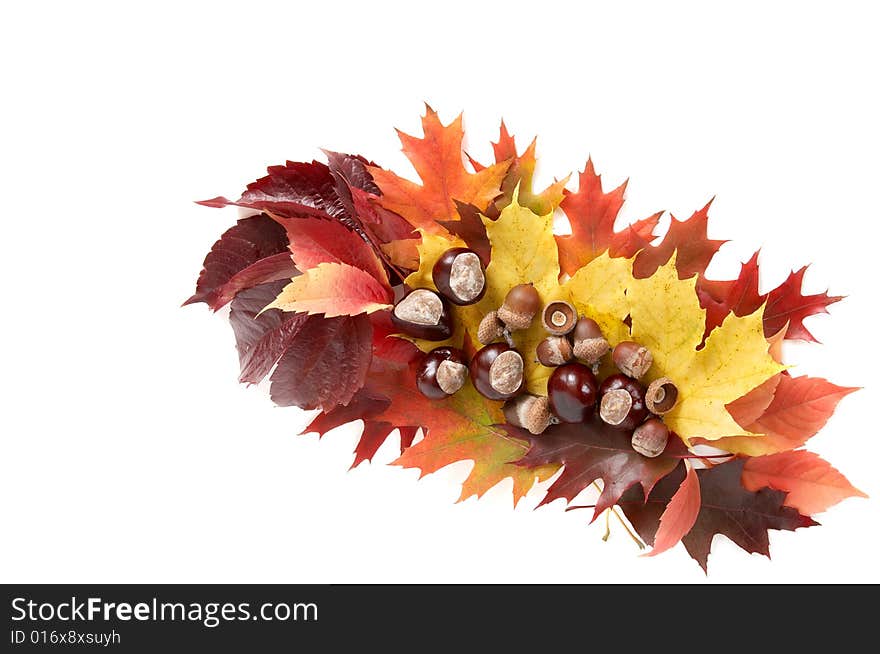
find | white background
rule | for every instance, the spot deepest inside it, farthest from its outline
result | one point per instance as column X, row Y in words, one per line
column 129, row 451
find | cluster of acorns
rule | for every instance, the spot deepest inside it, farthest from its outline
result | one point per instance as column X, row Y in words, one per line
column 574, row 346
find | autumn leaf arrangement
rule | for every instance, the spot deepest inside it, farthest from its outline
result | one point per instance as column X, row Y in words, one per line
column 606, row 359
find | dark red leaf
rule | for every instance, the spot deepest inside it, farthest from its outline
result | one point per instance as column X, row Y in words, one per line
column 727, row 508
column 471, row 230
column 592, row 451
column 294, row 189
column 689, row 240
column 326, row 363
column 739, row 296
column 243, row 257
column 787, row 305
column 350, row 171
column 261, row 339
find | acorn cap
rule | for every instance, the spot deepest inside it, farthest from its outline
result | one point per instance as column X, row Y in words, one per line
column 661, row 396
column 591, row 349
column 490, row 328
column 531, row 412
column 559, row 317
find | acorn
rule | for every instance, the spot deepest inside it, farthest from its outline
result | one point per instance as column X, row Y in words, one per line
column 589, row 343
column 632, row 359
column 554, row 351
column 661, row 396
column 459, row 275
column 497, row 371
column 441, row 372
column 531, row 412
column 422, row 313
column 558, row 317
column 490, row 329
column 520, row 306
column 650, row 438
column 623, row 402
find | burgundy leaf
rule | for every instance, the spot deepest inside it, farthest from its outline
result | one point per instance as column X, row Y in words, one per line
column 470, row 229
column 727, row 508
column 592, row 451
column 326, row 363
column 261, row 339
column 294, row 189
column 786, row 305
column 239, row 260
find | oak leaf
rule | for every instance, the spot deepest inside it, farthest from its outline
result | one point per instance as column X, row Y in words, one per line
column 688, row 240
column 519, row 177
column 592, row 451
column 726, row 508
column 812, row 484
column 591, row 213
column 437, row 159
column 786, row 304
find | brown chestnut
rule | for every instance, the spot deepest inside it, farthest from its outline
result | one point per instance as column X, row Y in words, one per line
column 572, row 392
column 459, row 275
column 442, row 372
column 422, row 313
column 622, row 404
column 497, row 371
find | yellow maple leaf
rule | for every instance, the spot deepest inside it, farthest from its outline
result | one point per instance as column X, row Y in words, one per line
column 524, row 251
column 668, row 320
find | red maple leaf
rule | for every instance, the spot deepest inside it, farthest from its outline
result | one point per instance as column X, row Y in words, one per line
column 520, row 175
column 592, row 213
column 689, row 240
column 786, row 304
column 726, row 507
column 592, row 451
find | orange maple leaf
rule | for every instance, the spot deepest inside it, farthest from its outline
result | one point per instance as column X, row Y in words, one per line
column 520, row 174
column 812, row 484
column 591, row 213
column 689, row 240
column 800, row 407
column 438, row 160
